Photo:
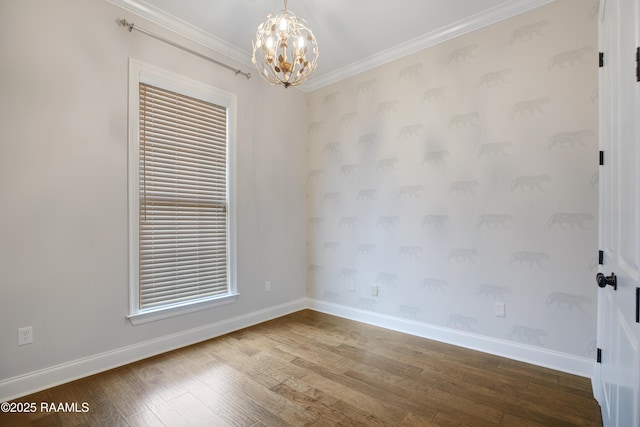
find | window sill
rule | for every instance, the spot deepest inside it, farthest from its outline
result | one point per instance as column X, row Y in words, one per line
column 167, row 312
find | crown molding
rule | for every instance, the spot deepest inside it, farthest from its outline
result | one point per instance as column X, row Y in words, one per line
column 486, row 18
column 183, row 28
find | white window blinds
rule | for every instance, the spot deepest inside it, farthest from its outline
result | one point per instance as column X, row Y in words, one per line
column 183, row 196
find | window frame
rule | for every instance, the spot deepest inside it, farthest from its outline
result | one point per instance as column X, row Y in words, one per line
column 149, row 74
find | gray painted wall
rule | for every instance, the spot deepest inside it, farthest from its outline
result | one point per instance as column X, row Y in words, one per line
column 63, row 183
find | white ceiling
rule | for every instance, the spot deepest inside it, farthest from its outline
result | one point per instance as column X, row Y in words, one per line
column 353, row 35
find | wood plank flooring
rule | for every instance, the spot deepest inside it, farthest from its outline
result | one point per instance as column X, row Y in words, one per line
column 312, row 369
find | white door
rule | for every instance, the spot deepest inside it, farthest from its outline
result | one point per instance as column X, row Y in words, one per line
column 618, row 374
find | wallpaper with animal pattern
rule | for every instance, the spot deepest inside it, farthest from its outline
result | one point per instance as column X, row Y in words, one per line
column 464, row 175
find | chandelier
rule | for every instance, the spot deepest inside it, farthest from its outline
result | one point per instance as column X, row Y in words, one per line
column 285, row 51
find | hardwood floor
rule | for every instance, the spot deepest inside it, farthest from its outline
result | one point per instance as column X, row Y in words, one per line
column 318, row 370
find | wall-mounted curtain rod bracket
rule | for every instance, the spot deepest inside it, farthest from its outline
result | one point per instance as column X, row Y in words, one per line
column 131, row 26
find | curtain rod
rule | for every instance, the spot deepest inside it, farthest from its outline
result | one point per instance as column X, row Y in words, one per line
column 130, row 26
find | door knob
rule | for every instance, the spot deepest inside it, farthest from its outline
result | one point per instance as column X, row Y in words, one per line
column 603, row 281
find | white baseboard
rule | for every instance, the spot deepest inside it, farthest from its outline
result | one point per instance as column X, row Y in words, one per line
column 563, row 362
column 49, row 377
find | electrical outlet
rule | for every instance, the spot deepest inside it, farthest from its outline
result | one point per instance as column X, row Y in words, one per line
column 374, row 290
column 267, row 286
column 500, row 309
column 25, row 335
column 352, row 285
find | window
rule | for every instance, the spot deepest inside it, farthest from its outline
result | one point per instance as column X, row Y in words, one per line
column 181, row 219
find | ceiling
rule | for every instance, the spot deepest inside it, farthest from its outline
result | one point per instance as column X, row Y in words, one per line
column 353, row 35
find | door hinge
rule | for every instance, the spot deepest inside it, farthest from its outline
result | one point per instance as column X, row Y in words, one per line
column 599, row 355
column 601, row 59
column 637, row 305
column 638, row 64
column 601, row 158
column 601, row 257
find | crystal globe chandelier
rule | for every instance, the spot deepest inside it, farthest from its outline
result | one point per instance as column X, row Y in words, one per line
column 285, row 52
